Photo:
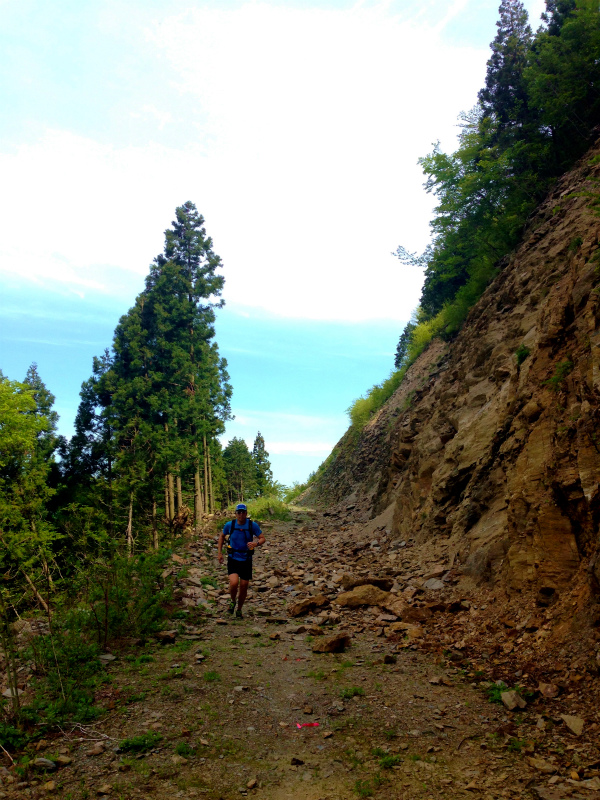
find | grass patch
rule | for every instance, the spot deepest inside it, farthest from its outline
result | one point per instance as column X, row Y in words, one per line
column 351, row 691
column 184, row 749
column 140, row 744
column 212, row 676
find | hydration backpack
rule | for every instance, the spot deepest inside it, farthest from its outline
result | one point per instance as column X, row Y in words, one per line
column 251, row 532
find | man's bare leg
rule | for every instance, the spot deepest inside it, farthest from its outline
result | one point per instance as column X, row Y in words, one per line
column 243, row 593
column 234, row 580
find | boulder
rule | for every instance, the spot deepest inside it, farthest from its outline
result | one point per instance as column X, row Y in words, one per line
column 363, row 595
column 412, row 631
column 166, row 637
column 512, row 700
column 332, row 644
column 309, row 604
column 349, row 583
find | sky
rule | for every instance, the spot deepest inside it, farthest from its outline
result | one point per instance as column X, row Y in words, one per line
column 295, row 128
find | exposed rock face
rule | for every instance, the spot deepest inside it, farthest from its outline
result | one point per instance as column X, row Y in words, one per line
column 492, row 442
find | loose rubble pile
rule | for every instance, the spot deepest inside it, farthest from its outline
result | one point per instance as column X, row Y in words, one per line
column 358, row 668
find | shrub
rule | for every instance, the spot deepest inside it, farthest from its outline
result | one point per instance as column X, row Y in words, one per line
column 562, row 369
column 268, row 507
column 521, row 353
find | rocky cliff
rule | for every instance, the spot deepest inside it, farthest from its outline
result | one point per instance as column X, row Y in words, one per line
column 488, row 455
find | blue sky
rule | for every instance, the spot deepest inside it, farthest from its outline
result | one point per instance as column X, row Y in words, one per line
column 295, row 127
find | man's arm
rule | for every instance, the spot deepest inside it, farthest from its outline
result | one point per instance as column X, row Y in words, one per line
column 261, row 539
column 220, row 546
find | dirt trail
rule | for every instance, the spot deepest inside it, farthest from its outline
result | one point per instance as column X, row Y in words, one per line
column 216, row 711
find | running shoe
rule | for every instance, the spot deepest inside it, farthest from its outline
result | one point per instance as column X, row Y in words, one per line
column 239, row 614
column 231, row 607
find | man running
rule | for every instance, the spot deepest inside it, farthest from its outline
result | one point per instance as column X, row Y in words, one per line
column 241, row 546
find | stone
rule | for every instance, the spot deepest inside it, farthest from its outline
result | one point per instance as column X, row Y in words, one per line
column 389, row 659
column 252, row 783
column 296, row 762
column 349, row 583
column 574, row 724
column 166, row 637
column 44, row 763
column 275, row 636
column 434, row 585
column 541, row 765
column 412, row 631
column 436, row 572
column 49, row 786
column 309, row 604
column 262, row 612
column 327, row 734
column 548, row 690
column 8, row 693
column 64, row 761
column 179, row 760
column 296, row 630
column 307, row 710
column 96, row 750
column 364, row 595
column 107, row 657
column 240, row 688
column 512, row 700
column 332, row 644
column 106, row 788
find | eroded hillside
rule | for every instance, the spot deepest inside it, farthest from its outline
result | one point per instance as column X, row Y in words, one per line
column 488, row 455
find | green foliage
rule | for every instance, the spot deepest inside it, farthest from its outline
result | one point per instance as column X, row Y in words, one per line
column 240, row 470
column 268, row 507
column 361, row 411
column 561, row 371
column 387, row 762
column 353, row 691
column 575, row 244
column 12, row 738
column 521, row 353
column 515, row 745
column 262, row 466
column 184, row 749
column 140, row 744
column 212, row 676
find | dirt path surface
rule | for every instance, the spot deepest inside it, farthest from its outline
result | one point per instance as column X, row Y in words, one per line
column 214, row 710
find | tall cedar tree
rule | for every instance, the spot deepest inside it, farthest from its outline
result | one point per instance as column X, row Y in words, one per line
column 150, row 414
column 264, row 475
column 240, row 470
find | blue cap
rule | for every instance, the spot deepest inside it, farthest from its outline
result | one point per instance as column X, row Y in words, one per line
column 240, row 507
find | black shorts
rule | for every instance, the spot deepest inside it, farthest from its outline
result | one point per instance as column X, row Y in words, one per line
column 241, row 568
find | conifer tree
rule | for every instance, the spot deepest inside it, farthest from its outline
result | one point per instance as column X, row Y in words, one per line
column 240, row 470
column 264, row 475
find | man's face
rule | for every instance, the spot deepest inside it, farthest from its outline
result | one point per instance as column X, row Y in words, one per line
column 241, row 516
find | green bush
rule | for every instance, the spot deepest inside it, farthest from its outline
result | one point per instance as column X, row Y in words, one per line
column 268, row 507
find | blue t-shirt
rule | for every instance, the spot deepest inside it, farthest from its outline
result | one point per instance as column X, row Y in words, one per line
column 239, row 538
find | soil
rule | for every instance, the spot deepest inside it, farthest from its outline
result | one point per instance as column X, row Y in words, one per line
column 220, row 707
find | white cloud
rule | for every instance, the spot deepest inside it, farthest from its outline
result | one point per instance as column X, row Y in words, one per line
column 299, row 148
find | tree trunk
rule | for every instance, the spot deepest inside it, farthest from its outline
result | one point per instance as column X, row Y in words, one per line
column 171, row 497
column 130, row 527
column 179, row 493
column 205, row 477
column 167, row 517
column 210, row 485
column 198, row 500
column 154, row 526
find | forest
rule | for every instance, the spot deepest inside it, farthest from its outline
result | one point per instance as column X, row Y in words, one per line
column 89, row 521
column 535, row 116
